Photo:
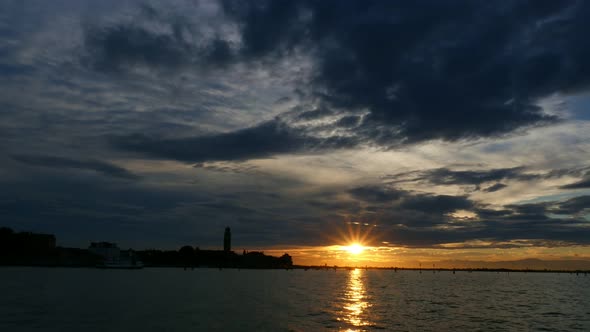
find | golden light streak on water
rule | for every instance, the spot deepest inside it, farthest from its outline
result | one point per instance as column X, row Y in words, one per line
column 356, row 305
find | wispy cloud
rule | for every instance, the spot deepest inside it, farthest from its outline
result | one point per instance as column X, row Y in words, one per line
column 101, row 167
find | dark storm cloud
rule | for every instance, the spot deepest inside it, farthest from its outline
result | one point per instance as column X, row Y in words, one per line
column 425, row 220
column 269, row 27
column 493, row 226
column 88, row 164
column 422, row 70
column 530, row 209
column 477, row 178
column 489, row 214
column 117, row 47
column 83, row 209
column 381, row 73
column 436, row 204
column 495, row 187
column 445, row 176
column 583, row 184
column 80, row 209
column 261, row 141
column 407, row 200
column 499, row 235
column 430, row 69
column 376, row 194
column 406, row 207
column 8, row 70
column 573, row 206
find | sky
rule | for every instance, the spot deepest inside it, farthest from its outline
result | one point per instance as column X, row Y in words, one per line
column 426, row 130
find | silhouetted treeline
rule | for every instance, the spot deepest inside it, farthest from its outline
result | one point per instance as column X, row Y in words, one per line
column 194, row 257
column 31, row 249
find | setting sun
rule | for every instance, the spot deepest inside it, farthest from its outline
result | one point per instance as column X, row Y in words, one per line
column 354, row 248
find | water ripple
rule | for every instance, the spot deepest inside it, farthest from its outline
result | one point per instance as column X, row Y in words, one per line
column 254, row 300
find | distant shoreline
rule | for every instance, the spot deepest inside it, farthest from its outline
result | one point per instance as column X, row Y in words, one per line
column 322, row 268
column 438, row 269
column 40, row 250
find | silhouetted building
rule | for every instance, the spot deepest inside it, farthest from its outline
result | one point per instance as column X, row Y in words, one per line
column 41, row 241
column 33, row 249
column 227, row 240
column 107, row 250
column 25, row 241
column 30, row 249
column 113, row 257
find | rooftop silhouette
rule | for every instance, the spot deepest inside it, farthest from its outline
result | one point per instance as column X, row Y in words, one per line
column 33, row 249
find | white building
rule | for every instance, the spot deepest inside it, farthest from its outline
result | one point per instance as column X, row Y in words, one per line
column 107, row 250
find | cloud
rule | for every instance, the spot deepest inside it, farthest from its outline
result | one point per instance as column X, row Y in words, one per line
column 259, row 80
column 261, row 141
column 495, row 187
column 229, row 167
column 425, row 220
column 376, row 194
column 488, row 180
column 446, row 176
column 408, row 208
column 436, row 204
column 117, row 47
column 429, row 70
column 114, row 48
column 415, row 72
column 573, row 206
column 83, row 209
column 101, row 167
column 152, row 39
column 583, row 184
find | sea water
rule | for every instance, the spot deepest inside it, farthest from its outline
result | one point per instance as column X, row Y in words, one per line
column 171, row 299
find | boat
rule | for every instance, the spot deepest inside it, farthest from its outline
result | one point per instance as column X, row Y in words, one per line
column 113, row 257
column 121, row 265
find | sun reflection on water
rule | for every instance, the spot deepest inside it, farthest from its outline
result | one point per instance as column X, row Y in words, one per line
column 356, row 303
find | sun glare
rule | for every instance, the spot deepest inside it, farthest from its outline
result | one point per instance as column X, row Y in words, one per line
column 354, row 248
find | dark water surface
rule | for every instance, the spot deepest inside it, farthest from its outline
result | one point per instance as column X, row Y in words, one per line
column 59, row 299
